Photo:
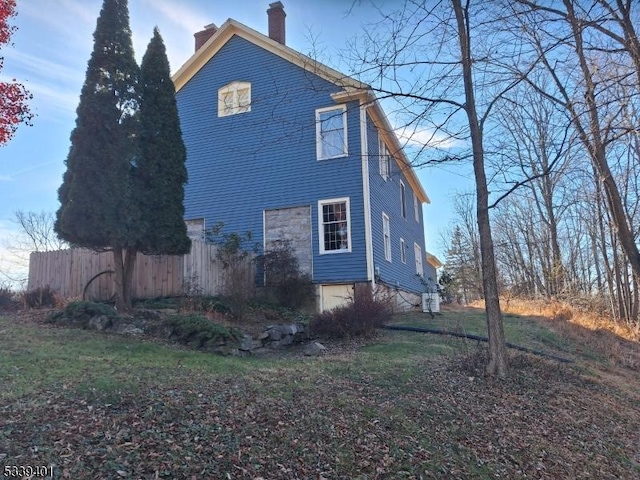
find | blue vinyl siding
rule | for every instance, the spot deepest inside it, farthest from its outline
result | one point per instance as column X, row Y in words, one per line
column 385, row 197
column 242, row 164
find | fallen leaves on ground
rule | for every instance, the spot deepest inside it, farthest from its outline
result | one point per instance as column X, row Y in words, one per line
column 333, row 418
column 546, row 421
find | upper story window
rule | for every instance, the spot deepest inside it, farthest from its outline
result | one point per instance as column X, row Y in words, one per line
column 386, row 236
column 403, row 251
column 403, row 199
column 416, row 207
column 385, row 160
column 234, row 98
column 334, row 225
column 331, row 132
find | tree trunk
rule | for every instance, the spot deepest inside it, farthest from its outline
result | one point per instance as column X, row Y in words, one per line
column 497, row 345
column 118, row 266
column 129, row 263
column 123, row 261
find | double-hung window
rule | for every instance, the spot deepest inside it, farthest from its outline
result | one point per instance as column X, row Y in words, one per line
column 416, row 207
column 386, row 237
column 331, row 132
column 234, row 98
column 334, row 225
column 385, row 160
column 403, row 251
column 418, row 253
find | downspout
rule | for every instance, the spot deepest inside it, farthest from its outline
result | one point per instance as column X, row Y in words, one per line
column 366, row 193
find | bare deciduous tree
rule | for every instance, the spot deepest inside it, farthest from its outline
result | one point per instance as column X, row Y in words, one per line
column 430, row 59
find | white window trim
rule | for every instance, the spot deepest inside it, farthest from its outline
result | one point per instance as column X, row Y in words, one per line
column 386, row 237
column 321, row 226
column 384, row 160
column 416, row 207
column 345, row 151
column 417, row 250
column 403, row 251
column 403, row 200
column 236, row 108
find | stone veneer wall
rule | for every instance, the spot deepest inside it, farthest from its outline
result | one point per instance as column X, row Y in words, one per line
column 293, row 224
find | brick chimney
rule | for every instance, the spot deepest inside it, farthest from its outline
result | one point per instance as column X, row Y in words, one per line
column 204, row 35
column 276, row 22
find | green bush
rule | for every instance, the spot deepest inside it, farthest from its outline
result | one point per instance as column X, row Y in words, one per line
column 198, row 331
column 39, row 297
column 361, row 317
column 80, row 312
column 158, row 303
column 288, row 286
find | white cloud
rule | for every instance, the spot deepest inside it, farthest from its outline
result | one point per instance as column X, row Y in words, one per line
column 34, row 65
column 177, row 24
column 69, row 19
column 11, row 177
column 188, row 19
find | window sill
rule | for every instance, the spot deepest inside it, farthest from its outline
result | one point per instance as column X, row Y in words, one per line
column 334, row 252
column 343, row 155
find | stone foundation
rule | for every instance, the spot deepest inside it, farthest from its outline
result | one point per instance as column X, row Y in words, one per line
column 399, row 299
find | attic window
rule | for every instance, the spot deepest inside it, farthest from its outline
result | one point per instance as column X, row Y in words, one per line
column 234, row 98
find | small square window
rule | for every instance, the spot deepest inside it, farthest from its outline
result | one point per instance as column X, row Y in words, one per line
column 234, row 98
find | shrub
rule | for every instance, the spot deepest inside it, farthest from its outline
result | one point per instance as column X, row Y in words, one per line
column 198, row 331
column 235, row 253
column 84, row 310
column 7, row 297
column 361, row 317
column 39, row 297
column 284, row 281
column 204, row 303
column 158, row 303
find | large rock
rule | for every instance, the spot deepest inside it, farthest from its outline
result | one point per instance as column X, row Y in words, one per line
column 246, row 344
column 100, row 323
column 314, row 349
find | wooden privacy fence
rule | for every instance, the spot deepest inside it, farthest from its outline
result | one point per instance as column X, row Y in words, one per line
column 68, row 272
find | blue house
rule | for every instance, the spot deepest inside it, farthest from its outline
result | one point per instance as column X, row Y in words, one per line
column 287, row 148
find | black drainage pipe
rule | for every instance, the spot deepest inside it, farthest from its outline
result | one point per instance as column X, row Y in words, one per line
column 403, row 328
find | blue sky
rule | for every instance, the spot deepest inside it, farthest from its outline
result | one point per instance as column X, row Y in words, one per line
column 53, row 44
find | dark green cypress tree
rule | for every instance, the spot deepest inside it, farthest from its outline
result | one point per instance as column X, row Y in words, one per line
column 96, row 195
column 161, row 172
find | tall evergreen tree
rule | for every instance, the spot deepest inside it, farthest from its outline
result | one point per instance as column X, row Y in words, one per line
column 97, row 209
column 161, row 172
